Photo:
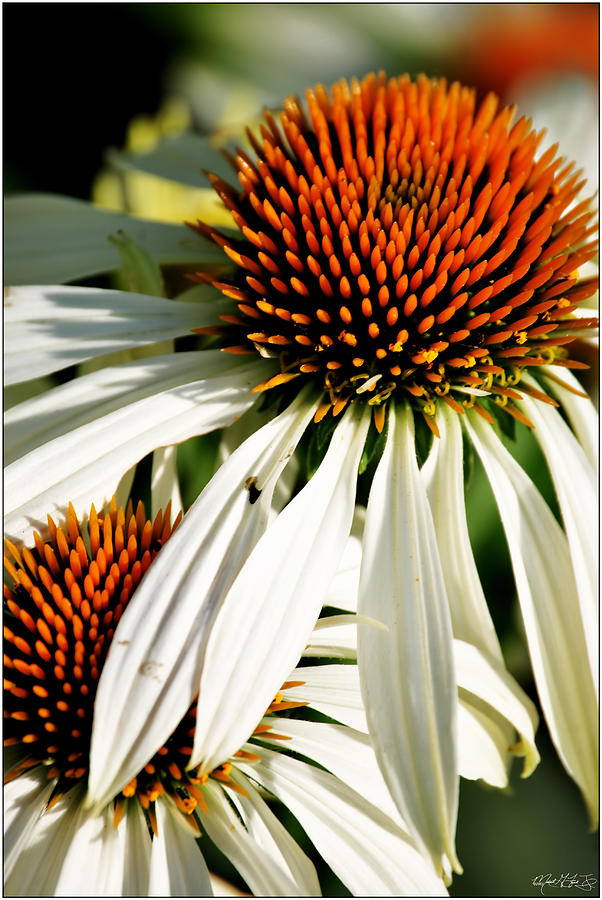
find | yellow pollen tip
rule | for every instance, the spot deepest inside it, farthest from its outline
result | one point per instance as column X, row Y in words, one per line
column 187, row 805
column 130, row 789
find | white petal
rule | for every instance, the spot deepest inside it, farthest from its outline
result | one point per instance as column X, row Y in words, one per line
column 368, row 852
column 25, row 799
column 137, row 852
column 581, row 412
column 483, row 677
column 223, row 888
column 494, row 706
column 84, row 466
column 344, row 588
column 333, row 690
column 177, row 867
column 179, row 158
column 347, row 753
column 123, row 489
column 152, row 673
column 276, row 599
column 51, row 239
column 444, row 477
column 93, row 862
column 325, row 623
column 576, row 486
column 35, row 869
column 49, row 328
column 472, row 392
column 239, row 431
column 335, row 637
column 264, row 877
column 407, row 673
column 548, row 598
column 270, row 834
column 483, row 745
column 70, row 853
column 165, row 487
column 90, row 397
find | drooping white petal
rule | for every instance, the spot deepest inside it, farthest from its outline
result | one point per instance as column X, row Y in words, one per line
column 344, row 587
column 407, row 673
column 269, row 612
column 152, row 673
column 259, row 869
column 137, row 852
column 494, row 709
column 165, row 487
column 238, row 432
column 223, row 888
column 70, row 853
column 179, row 158
column 51, row 239
column 549, row 604
column 370, row 854
column 343, row 591
column 333, row 690
column 325, row 623
column 483, row 744
column 93, row 862
column 25, row 799
column 84, row 466
column 576, row 486
column 123, row 489
column 177, row 867
column 444, row 478
column 345, row 752
column 493, row 705
column 472, row 392
column 587, row 310
column 50, row 328
column 36, row 868
column 270, row 834
column 484, row 678
column 580, row 410
column 89, row 397
column 334, row 636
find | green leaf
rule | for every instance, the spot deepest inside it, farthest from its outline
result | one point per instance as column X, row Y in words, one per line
column 141, row 485
column 374, row 446
column 70, row 240
column 141, row 273
column 180, row 158
column 423, row 437
column 196, row 464
column 320, row 435
column 468, row 459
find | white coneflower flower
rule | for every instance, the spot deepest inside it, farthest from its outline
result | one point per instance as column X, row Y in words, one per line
column 404, row 259
column 65, row 600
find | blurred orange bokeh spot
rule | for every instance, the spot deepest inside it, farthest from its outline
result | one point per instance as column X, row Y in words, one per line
column 512, row 42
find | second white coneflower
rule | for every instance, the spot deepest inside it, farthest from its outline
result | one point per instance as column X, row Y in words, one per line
column 64, row 599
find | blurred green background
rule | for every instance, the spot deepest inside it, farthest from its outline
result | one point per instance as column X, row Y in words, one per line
column 75, row 76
